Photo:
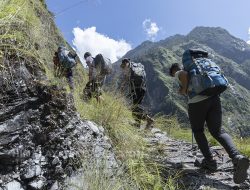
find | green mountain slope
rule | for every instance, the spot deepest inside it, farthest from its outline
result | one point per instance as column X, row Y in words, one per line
column 231, row 54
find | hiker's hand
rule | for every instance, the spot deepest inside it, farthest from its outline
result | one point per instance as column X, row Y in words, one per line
column 91, row 83
column 182, row 91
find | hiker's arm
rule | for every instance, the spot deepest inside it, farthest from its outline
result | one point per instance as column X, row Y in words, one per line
column 183, row 76
column 124, row 81
column 91, row 73
column 122, row 85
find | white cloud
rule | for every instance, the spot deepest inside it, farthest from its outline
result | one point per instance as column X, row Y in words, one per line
column 94, row 42
column 248, row 36
column 150, row 28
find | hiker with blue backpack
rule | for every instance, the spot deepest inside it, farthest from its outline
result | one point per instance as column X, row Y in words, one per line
column 64, row 61
column 203, row 82
column 135, row 78
column 99, row 67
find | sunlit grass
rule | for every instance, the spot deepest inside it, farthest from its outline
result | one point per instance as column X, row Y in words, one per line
column 114, row 114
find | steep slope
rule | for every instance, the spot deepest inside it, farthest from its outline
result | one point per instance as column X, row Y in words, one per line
column 46, row 141
column 231, row 53
column 42, row 138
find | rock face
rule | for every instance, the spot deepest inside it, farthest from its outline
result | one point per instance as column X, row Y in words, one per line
column 42, row 139
column 178, row 159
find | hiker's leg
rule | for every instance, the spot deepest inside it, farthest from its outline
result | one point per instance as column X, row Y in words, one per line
column 197, row 116
column 87, row 93
column 137, row 111
column 71, row 83
column 241, row 163
column 142, row 114
column 94, row 89
column 55, row 70
column 136, row 115
column 214, row 122
column 70, row 79
column 140, row 93
column 98, row 87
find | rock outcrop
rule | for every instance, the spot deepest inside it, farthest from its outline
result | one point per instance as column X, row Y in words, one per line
column 42, row 138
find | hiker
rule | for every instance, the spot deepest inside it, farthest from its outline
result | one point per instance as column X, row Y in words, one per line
column 205, row 83
column 57, row 68
column 99, row 68
column 64, row 61
column 181, row 76
column 135, row 77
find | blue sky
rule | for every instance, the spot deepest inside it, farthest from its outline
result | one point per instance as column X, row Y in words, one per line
column 123, row 19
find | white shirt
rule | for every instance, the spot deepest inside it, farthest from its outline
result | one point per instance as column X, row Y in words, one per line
column 195, row 99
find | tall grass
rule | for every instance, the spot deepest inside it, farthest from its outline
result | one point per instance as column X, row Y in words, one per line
column 114, row 114
column 95, row 176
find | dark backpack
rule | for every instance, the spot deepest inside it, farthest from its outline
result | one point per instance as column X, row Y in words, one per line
column 205, row 76
column 104, row 64
column 138, row 75
column 66, row 58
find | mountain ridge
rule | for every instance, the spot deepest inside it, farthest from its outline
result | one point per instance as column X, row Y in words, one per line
column 158, row 56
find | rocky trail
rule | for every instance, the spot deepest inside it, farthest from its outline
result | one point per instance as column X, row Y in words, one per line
column 42, row 141
column 177, row 157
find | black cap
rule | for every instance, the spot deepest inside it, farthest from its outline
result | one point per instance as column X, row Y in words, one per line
column 125, row 60
column 87, row 54
column 61, row 47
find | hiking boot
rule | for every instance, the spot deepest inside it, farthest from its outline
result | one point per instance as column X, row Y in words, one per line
column 241, row 164
column 137, row 124
column 150, row 121
column 208, row 164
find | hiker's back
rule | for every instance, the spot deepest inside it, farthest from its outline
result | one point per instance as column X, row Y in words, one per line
column 138, row 75
column 103, row 64
column 66, row 58
column 205, row 76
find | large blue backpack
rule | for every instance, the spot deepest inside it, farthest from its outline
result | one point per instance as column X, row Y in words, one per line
column 205, row 76
column 66, row 59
